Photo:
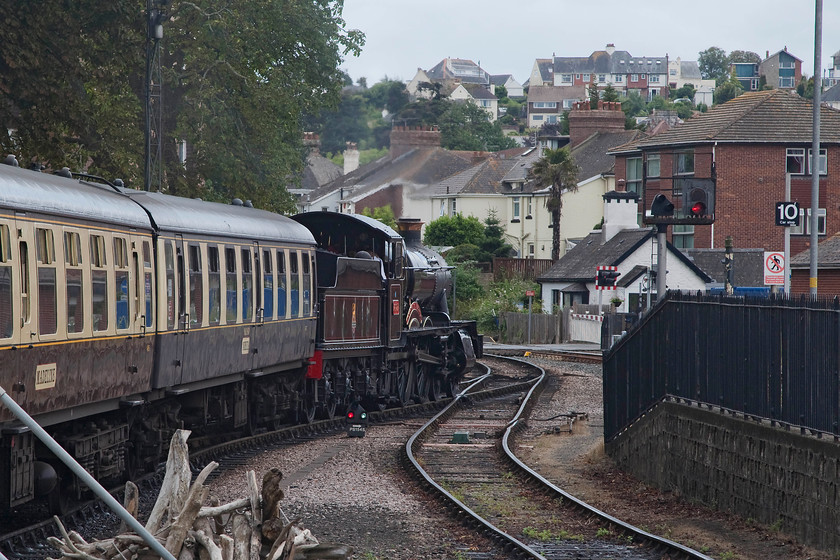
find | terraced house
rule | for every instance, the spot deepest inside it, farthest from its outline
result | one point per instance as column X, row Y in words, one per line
column 748, row 145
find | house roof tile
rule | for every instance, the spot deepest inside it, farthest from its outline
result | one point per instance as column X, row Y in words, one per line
column 773, row 116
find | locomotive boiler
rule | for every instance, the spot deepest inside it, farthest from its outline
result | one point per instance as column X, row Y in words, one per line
column 125, row 315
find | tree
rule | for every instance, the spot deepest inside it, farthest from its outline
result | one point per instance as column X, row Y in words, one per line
column 237, row 82
column 805, row 87
column 610, row 93
column 501, row 92
column 454, row 230
column 714, row 64
column 556, row 169
column 686, row 91
column 494, row 244
column 466, row 126
column 383, row 214
column 744, row 56
column 730, row 89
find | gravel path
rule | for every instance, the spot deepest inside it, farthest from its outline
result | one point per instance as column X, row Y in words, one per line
column 354, row 491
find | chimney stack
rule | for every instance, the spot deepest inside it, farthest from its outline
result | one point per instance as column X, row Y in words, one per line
column 351, row 157
column 410, row 229
column 620, row 213
column 406, row 138
column 584, row 122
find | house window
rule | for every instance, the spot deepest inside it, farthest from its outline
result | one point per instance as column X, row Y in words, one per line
column 683, row 236
column 566, row 78
column 545, row 105
column 784, row 82
column 823, row 161
column 530, row 207
column 653, row 165
column 531, row 250
column 537, row 117
column 442, row 206
column 634, row 174
column 804, row 227
column 796, row 161
column 654, row 78
column 602, row 78
column 577, row 76
column 515, row 209
column 585, row 77
column 567, row 103
column 754, row 84
column 453, row 206
column 486, row 103
column 684, row 162
column 634, row 77
column 672, row 71
column 618, row 78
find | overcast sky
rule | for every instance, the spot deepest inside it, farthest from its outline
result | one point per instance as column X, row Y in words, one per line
column 506, row 36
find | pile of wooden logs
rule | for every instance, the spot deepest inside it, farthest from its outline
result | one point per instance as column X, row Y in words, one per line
column 250, row 528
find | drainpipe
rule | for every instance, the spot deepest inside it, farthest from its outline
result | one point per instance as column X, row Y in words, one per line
column 83, row 475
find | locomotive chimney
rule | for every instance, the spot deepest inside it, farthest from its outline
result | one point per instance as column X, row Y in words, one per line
column 410, row 229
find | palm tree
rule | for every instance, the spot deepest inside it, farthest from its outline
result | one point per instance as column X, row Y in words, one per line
column 556, row 169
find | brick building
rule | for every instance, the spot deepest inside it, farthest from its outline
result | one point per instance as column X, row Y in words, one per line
column 749, row 143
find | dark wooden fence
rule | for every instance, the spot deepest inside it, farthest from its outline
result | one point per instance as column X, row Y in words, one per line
column 774, row 358
column 545, row 329
column 527, row 269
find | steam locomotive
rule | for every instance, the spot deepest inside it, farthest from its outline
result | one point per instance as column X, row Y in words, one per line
column 125, row 315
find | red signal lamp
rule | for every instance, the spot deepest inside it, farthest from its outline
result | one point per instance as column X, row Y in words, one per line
column 698, row 209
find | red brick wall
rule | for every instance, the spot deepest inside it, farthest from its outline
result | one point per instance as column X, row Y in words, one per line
column 750, row 181
column 828, row 282
column 392, row 195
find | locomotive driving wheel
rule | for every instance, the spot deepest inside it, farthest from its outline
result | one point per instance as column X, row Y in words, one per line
column 436, row 387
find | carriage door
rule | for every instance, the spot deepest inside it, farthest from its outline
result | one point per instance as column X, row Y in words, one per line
column 254, row 328
column 183, row 322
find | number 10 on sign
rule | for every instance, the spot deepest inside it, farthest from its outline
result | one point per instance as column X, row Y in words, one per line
column 787, row 214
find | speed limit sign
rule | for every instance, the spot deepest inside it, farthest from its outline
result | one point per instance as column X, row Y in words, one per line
column 787, row 214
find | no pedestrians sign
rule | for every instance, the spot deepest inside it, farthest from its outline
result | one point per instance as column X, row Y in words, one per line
column 774, row 268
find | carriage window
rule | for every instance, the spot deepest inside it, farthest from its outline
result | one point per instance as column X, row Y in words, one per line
column 45, row 246
column 6, row 294
column 268, row 286
column 97, row 251
column 47, row 303
column 247, row 286
column 99, row 283
column 294, row 283
column 73, row 278
column 230, row 289
column 147, row 282
column 121, row 282
column 169, row 263
column 72, row 248
column 196, row 286
column 281, row 284
column 307, row 285
column 215, row 287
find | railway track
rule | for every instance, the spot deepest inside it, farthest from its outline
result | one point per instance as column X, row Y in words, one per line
column 582, row 356
column 501, row 497
column 24, row 533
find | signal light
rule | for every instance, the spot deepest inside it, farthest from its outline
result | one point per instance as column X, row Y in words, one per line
column 350, row 415
column 698, row 209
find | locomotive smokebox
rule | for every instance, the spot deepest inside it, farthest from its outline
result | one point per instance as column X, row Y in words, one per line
column 428, row 276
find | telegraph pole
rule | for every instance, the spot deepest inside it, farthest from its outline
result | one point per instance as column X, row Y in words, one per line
column 815, row 150
column 153, row 173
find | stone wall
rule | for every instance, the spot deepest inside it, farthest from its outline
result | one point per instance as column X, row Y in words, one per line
column 755, row 470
